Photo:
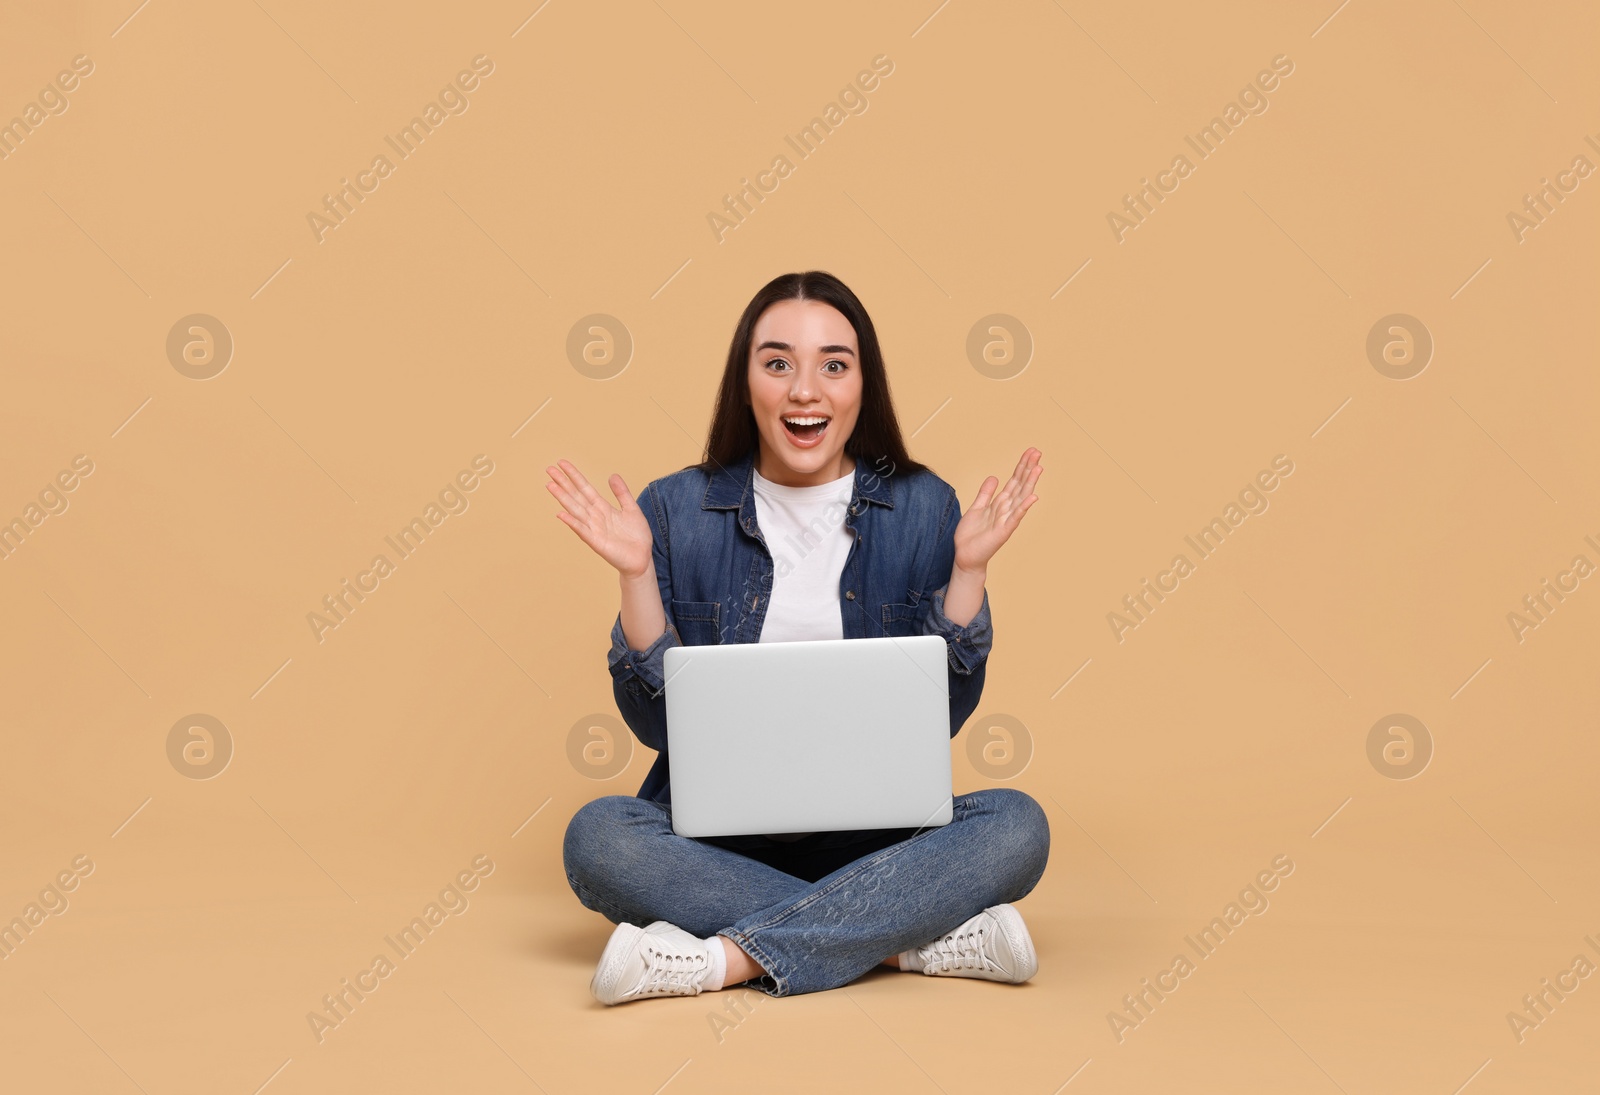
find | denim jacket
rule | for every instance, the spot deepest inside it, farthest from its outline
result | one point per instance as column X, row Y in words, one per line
column 715, row 570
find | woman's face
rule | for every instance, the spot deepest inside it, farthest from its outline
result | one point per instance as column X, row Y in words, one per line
column 805, row 364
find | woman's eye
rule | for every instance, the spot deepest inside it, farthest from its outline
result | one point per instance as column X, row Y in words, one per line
column 842, row 365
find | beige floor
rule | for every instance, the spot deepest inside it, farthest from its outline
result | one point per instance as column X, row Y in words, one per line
column 1386, row 960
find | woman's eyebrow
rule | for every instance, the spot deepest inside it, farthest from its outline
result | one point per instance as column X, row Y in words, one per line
column 790, row 349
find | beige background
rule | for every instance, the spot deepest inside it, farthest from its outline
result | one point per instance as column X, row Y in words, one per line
column 1168, row 369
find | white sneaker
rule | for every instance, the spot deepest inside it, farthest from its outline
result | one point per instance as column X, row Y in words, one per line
column 659, row 960
column 993, row 945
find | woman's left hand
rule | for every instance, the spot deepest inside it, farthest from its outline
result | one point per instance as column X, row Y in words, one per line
column 995, row 516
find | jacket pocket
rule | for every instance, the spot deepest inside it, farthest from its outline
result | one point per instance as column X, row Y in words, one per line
column 902, row 620
column 699, row 622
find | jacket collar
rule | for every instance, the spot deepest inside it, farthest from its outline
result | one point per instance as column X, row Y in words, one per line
column 730, row 485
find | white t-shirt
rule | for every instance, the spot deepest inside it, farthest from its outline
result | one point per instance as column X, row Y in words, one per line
column 804, row 530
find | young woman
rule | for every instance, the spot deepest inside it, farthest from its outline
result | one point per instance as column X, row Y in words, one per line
column 806, row 520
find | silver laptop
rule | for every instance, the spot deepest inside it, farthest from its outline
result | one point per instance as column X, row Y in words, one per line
column 811, row 736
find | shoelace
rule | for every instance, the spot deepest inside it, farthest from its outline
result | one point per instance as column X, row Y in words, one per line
column 670, row 972
column 959, row 950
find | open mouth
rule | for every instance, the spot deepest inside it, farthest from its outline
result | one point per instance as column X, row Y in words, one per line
column 806, row 428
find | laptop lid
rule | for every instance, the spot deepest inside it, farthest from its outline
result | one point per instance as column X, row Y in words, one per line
column 812, row 736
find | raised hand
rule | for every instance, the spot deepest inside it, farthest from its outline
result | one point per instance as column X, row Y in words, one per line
column 994, row 516
column 620, row 536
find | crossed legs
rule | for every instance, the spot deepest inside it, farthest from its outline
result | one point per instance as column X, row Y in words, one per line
column 820, row 912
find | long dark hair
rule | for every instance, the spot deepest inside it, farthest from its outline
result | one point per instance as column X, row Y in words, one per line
column 876, row 438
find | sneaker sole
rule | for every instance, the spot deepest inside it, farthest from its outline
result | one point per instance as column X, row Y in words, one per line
column 1017, row 937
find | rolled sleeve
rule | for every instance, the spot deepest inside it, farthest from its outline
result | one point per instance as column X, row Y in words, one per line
column 969, row 645
column 646, row 665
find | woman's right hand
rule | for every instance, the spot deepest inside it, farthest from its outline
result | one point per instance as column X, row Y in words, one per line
column 619, row 536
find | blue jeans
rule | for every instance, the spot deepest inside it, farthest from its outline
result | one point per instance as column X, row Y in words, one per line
column 819, row 912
